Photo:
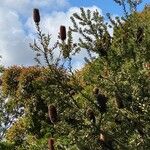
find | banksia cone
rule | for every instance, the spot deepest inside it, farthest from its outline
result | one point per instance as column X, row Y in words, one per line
column 1, row 82
column 36, row 16
column 101, row 102
column 102, row 138
column 95, row 90
column 52, row 112
column 62, row 33
column 119, row 101
column 103, row 52
column 51, row 144
column 72, row 92
column 105, row 141
column 118, row 119
column 90, row 115
column 139, row 127
column 140, row 33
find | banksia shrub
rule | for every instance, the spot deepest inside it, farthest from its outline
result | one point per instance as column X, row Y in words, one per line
column 51, row 144
column 62, row 33
column 90, row 115
column 52, row 112
column 36, row 16
column 119, row 101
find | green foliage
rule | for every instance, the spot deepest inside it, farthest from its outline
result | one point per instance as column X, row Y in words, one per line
column 6, row 146
column 92, row 28
column 123, row 72
column 10, row 79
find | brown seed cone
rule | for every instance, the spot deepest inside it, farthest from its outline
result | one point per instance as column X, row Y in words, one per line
column 117, row 119
column 72, row 92
column 101, row 101
column 52, row 112
column 36, row 15
column 1, row 82
column 96, row 90
column 90, row 115
column 51, row 144
column 62, row 33
column 105, row 141
column 102, row 137
column 140, row 33
column 119, row 101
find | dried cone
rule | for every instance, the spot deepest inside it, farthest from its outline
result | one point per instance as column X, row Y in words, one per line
column 72, row 92
column 102, row 138
column 119, row 101
column 95, row 90
column 101, row 102
column 90, row 115
column 51, row 144
column 36, row 16
column 139, row 127
column 1, row 82
column 105, row 141
column 117, row 119
column 140, row 33
column 62, row 33
column 52, row 112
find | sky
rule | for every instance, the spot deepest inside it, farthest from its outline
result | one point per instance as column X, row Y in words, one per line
column 17, row 29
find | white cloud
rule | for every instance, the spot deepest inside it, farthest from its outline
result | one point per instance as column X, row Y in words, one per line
column 51, row 24
column 13, row 41
column 16, row 33
column 25, row 6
